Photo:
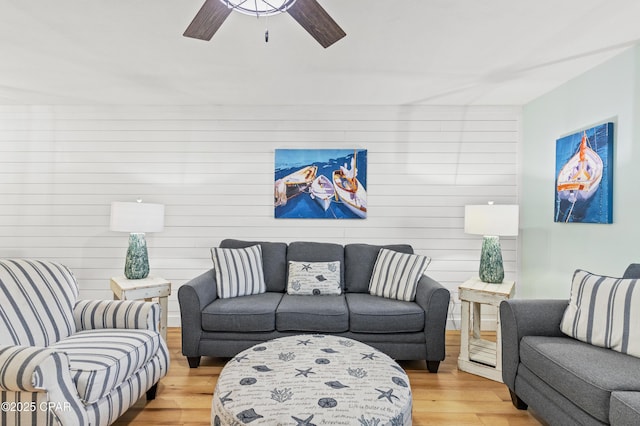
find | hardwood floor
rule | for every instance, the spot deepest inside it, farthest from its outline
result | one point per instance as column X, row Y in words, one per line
column 450, row 397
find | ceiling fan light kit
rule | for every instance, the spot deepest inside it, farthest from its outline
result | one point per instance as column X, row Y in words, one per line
column 308, row 13
column 259, row 7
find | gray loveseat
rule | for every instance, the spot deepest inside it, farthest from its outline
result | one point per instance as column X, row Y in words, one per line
column 565, row 381
column 217, row 327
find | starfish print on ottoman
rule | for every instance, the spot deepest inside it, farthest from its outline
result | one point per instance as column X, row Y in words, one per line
column 305, row 422
column 387, row 394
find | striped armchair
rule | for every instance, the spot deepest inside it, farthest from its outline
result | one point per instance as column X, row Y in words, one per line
column 65, row 361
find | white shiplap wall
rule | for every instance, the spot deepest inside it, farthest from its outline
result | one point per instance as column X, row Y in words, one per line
column 62, row 166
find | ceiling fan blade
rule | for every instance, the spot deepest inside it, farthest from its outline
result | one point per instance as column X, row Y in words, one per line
column 316, row 21
column 207, row 21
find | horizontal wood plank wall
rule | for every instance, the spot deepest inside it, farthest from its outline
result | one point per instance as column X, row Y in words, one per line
column 62, row 166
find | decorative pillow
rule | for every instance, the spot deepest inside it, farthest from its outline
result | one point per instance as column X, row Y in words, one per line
column 604, row 311
column 314, row 278
column 396, row 275
column 238, row 271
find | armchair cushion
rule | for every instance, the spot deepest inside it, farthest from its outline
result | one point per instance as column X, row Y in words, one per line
column 98, row 367
column 37, row 302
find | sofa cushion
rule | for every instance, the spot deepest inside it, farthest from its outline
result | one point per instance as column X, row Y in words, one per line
column 256, row 313
column 238, row 271
column 327, row 314
column 100, row 360
column 359, row 261
column 274, row 261
column 396, row 275
column 305, row 251
column 314, row 278
column 585, row 374
column 625, row 408
column 603, row 311
column 373, row 314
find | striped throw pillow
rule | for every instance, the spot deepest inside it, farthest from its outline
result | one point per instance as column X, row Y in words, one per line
column 238, row 271
column 604, row 311
column 396, row 275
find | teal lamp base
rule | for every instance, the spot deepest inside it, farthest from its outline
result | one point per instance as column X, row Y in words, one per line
column 136, row 265
column 491, row 267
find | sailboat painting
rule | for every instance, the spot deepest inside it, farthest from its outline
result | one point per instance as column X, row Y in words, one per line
column 584, row 176
column 320, row 183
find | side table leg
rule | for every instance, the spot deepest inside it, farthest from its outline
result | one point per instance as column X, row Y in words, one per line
column 476, row 320
column 464, row 330
column 164, row 314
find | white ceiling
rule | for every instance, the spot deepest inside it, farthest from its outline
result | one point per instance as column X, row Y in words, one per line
column 403, row 52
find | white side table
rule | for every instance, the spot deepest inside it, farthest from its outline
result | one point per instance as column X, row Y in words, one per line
column 479, row 356
column 145, row 288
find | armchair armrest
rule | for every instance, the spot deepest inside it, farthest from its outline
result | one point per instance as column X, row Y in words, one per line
column 23, row 370
column 433, row 298
column 193, row 296
column 97, row 314
column 519, row 318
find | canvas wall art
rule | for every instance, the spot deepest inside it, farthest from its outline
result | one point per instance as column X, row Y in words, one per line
column 584, row 176
column 320, row 183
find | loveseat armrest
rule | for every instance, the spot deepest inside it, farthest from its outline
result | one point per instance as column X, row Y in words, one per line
column 132, row 314
column 526, row 317
column 194, row 296
column 39, row 370
column 433, row 298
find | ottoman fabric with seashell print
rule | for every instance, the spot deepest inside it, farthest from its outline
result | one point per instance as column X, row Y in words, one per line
column 312, row 380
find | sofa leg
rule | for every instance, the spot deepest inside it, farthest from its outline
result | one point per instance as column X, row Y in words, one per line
column 517, row 402
column 194, row 361
column 433, row 366
column 151, row 393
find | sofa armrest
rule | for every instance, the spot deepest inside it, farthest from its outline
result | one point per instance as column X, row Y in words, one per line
column 194, row 296
column 526, row 317
column 23, row 371
column 97, row 314
column 433, row 298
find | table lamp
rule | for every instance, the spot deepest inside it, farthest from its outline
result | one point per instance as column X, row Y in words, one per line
column 491, row 221
column 136, row 218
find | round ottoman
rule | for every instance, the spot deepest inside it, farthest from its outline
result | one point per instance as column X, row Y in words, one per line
column 312, row 380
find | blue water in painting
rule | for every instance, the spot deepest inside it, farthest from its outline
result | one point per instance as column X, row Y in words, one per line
column 303, row 206
column 598, row 208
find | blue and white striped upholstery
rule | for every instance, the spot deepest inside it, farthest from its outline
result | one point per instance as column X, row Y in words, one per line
column 604, row 311
column 102, row 359
column 75, row 362
column 38, row 299
column 97, row 314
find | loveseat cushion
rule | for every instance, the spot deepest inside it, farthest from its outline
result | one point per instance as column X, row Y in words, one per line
column 583, row 373
column 373, row 314
column 625, row 408
column 274, row 261
column 255, row 313
column 100, row 360
column 359, row 261
column 316, row 314
column 306, row 251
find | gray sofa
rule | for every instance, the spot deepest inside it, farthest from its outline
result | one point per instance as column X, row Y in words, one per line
column 217, row 327
column 563, row 380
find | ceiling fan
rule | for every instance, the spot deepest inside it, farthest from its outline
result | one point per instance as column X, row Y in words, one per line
column 307, row 13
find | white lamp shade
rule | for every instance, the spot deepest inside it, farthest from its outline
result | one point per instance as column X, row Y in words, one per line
column 491, row 219
column 136, row 217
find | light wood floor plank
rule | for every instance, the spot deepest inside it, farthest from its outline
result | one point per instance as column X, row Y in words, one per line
column 451, row 397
